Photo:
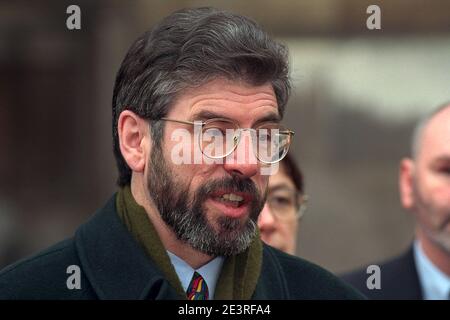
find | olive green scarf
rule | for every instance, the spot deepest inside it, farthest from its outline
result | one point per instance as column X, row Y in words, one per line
column 239, row 274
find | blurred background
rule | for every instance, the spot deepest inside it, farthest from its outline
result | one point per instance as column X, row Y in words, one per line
column 357, row 94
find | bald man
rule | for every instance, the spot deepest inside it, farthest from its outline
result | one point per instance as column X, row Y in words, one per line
column 423, row 272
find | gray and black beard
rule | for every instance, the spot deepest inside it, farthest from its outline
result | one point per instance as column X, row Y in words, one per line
column 187, row 217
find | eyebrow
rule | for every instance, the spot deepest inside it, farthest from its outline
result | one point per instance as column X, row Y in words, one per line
column 206, row 115
column 270, row 117
column 281, row 186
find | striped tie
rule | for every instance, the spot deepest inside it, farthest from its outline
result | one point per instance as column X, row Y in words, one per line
column 197, row 290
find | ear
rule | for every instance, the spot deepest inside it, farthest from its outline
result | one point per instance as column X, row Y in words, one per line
column 406, row 183
column 133, row 139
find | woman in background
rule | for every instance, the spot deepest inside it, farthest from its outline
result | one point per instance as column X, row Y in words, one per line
column 285, row 205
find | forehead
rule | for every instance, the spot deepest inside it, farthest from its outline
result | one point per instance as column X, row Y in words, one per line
column 436, row 136
column 235, row 99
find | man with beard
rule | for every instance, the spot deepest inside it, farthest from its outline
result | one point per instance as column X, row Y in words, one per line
column 423, row 272
column 186, row 230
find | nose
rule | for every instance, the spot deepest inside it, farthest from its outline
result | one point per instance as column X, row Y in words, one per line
column 242, row 161
column 266, row 220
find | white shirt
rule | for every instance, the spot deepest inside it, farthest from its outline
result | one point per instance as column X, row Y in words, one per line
column 210, row 272
column 435, row 284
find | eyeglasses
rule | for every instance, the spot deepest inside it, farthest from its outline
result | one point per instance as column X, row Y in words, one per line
column 219, row 137
column 286, row 204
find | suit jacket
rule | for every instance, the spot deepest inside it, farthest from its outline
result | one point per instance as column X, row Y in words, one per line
column 113, row 266
column 399, row 279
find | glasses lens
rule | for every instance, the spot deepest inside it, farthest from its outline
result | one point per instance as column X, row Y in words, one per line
column 219, row 137
column 283, row 204
column 273, row 142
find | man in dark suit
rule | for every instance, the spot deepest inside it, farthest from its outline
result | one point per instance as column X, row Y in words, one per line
column 197, row 107
column 423, row 272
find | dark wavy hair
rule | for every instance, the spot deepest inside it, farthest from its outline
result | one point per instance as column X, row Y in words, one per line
column 189, row 48
column 294, row 172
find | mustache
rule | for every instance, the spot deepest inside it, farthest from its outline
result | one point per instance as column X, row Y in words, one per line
column 234, row 184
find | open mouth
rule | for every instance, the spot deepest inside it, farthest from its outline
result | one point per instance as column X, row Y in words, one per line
column 230, row 199
column 233, row 204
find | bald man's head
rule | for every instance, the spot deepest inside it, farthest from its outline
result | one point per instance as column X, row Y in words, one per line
column 420, row 127
column 425, row 179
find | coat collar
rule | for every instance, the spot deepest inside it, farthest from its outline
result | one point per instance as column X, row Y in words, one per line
column 410, row 275
column 115, row 265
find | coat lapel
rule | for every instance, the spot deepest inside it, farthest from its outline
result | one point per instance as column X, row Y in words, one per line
column 271, row 283
column 408, row 278
column 115, row 265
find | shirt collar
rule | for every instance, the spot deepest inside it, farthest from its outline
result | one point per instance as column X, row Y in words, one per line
column 210, row 272
column 435, row 284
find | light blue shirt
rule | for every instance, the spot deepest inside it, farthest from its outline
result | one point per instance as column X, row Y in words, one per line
column 435, row 284
column 210, row 272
